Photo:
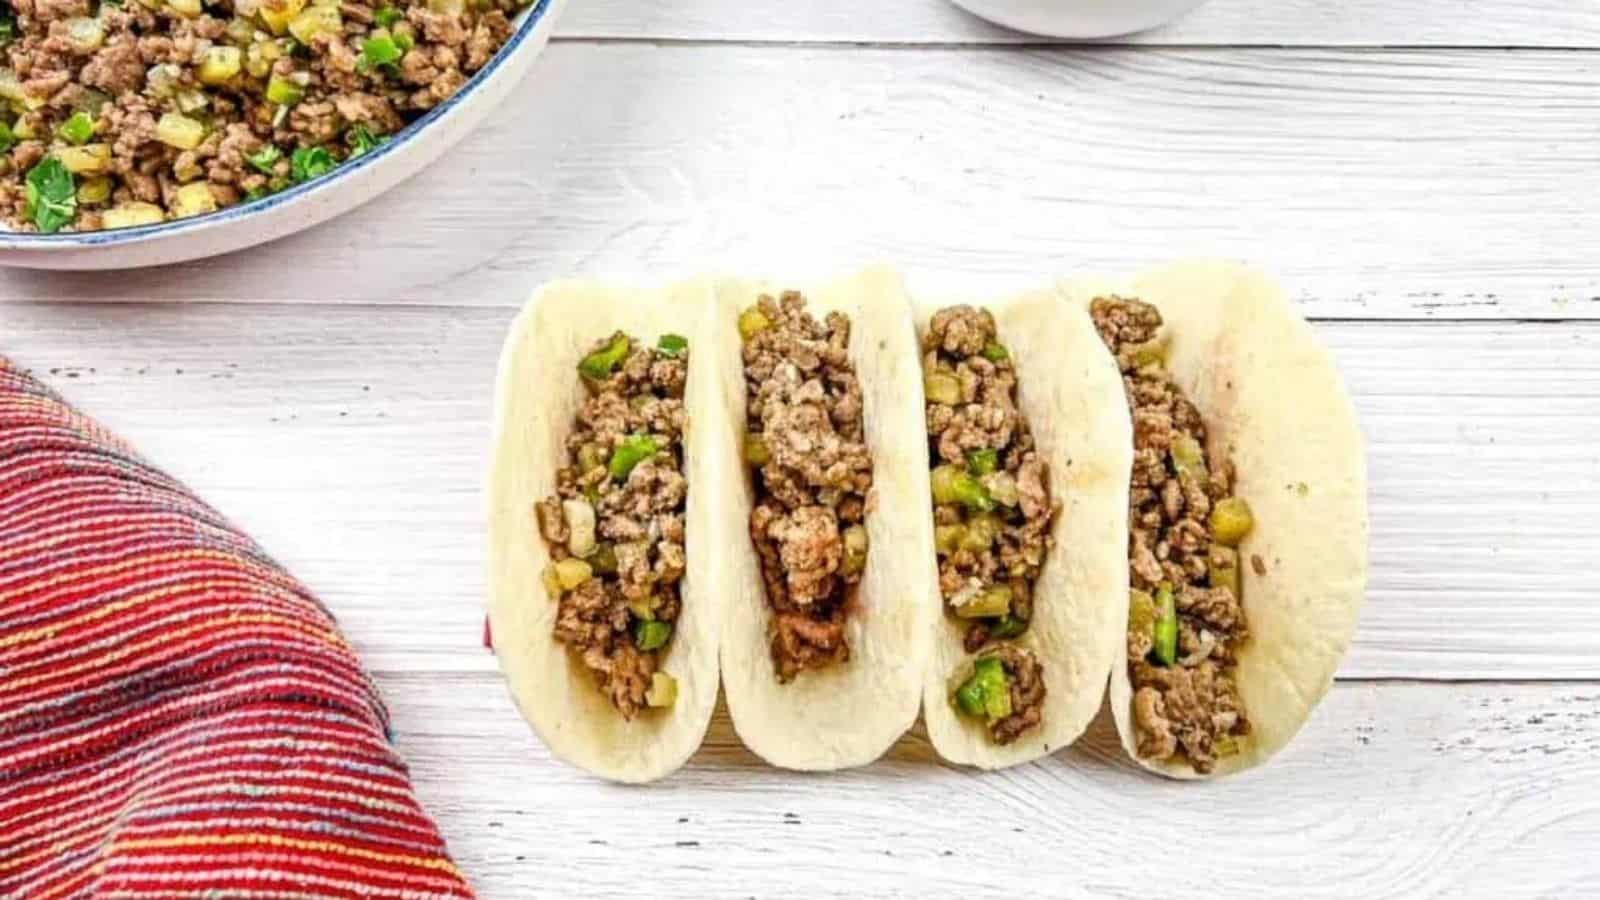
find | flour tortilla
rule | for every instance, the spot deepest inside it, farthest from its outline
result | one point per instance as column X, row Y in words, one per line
column 847, row 714
column 537, row 397
column 1069, row 390
column 1274, row 403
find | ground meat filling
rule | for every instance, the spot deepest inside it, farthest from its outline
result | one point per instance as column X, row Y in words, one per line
column 129, row 113
column 615, row 526
column 1187, row 707
column 992, row 507
column 813, row 474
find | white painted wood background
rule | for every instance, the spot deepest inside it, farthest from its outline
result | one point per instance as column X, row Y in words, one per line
column 1425, row 176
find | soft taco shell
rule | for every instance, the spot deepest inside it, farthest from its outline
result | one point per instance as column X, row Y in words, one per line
column 847, row 714
column 536, row 397
column 1069, row 390
column 1274, row 403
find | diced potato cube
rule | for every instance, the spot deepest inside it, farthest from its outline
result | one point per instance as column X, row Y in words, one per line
column 127, row 215
column 193, row 200
column 277, row 14
column 315, row 20
column 178, row 130
column 220, row 64
column 90, row 159
column 85, row 34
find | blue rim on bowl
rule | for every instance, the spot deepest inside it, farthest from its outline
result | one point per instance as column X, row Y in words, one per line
column 22, row 239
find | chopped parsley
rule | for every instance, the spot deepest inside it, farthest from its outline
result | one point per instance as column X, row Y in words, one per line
column 265, row 158
column 307, row 163
column 386, row 16
column 362, row 140
column 51, row 197
column 672, row 345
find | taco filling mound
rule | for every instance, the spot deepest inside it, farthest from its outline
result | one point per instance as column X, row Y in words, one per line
column 992, row 513
column 813, row 472
column 615, row 526
column 1186, row 622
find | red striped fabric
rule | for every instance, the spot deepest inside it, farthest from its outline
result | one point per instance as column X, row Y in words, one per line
column 178, row 717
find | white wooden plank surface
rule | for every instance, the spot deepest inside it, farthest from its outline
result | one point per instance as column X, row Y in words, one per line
column 350, row 441
column 1392, row 791
column 1397, row 184
column 1499, row 23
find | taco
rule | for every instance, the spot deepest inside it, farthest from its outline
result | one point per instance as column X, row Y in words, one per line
column 602, row 606
column 1030, row 449
column 825, row 632
column 1247, row 542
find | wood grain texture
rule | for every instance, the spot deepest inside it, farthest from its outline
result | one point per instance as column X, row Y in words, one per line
column 1498, row 23
column 1391, row 791
column 1397, row 184
column 352, row 440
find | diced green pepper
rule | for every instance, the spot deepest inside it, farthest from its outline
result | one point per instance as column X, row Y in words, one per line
column 987, row 692
column 77, row 129
column 970, row 696
column 1187, row 457
column 947, row 539
column 379, row 50
column 663, row 691
column 756, row 451
column 651, row 635
column 996, row 352
column 672, row 345
column 604, row 560
column 282, row 91
column 590, row 456
column 1223, row 568
column 952, row 485
column 1165, row 650
column 1231, row 521
column 635, row 449
column 386, row 16
column 1141, row 613
column 752, row 322
column 982, row 462
column 1007, row 627
column 601, row 363
column 942, row 387
column 981, row 532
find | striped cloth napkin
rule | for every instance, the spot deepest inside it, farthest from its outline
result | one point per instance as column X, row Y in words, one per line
column 178, row 717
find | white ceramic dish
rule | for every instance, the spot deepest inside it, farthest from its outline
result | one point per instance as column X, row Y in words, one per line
column 302, row 206
column 1079, row 18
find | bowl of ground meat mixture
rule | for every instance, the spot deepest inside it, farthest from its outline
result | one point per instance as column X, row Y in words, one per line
column 142, row 132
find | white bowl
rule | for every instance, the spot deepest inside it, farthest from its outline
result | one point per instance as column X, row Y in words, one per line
column 1079, row 18
column 304, row 205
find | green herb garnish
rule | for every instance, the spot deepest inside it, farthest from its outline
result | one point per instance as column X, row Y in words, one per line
column 362, row 140
column 306, row 163
column 672, row 345
column 265, row 158
column 386, row 16
column 51, row 197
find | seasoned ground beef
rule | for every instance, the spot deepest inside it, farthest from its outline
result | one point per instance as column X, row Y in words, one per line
column 128, row 113
column 1187, row 707
column 812, row 473
column 992, row 506
column 1026, row 677
column 615, row 526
